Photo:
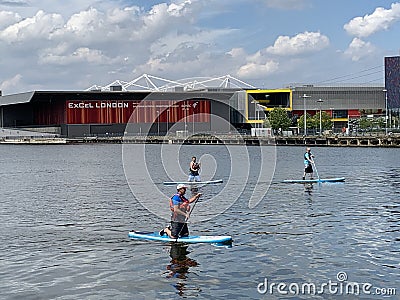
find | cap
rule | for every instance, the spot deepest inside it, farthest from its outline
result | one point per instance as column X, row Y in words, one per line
column 181, row 186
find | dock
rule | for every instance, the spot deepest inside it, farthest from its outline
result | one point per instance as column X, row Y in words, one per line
column 329, row 141
column 227, row 139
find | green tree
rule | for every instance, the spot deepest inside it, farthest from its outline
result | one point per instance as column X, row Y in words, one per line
column 326, row 121
column 278, row 119
column 310, row 122
column 365, row 123
column 379, row 122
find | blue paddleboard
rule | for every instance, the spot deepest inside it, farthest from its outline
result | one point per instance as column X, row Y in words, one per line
column 193, row 182
column 155, row 236
column 338, row 179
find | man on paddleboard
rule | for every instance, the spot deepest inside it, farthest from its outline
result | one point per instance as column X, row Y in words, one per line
column 194, row 169
column 180, row 209
column 308, row 162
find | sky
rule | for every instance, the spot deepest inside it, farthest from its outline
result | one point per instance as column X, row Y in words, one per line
column 75, row 44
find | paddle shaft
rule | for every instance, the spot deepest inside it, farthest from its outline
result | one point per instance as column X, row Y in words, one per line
column 316, row 171
column 187, row 218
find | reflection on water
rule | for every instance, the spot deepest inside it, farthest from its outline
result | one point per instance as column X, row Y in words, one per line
column 308, row 187
column 179, row 268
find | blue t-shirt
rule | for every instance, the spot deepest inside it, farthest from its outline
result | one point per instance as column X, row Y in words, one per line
column 177, row 200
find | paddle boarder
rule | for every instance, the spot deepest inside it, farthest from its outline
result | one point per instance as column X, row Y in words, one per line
column 180, row 209
column 194, row 168
column 308, row 162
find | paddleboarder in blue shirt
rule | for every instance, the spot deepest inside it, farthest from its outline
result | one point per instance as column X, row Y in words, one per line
column 180, row 208
column 308, row 162
column 194, row 168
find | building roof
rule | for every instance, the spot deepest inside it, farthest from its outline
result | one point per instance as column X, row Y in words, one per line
column 16, row 98
column 157, row 84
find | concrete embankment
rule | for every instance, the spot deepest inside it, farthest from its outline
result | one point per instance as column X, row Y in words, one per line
column 344, row 141
column 329, row 141
column 33, row 140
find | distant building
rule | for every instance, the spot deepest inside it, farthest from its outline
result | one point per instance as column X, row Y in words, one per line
column 342, row 103
column 392, row 81
column 99, row 113
column 190, row 107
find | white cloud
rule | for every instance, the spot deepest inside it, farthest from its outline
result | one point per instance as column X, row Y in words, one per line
column 122, row 16
column 180, row 8
column 237, row 52
column 302, row 43
column 8, row 18
column 359, row 49
column 86, row 22
column 163, row 18
column 254, row 70
column 11, row 82
column 80, row 55
column 173, row 41
column 38, row 27
column 380, row 19
column 98, row 41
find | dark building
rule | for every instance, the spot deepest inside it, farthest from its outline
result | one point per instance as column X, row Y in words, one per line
column 89, row 113
column 392, row 81
column 341, row 103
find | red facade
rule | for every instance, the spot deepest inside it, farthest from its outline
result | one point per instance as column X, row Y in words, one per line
column 45, row 113
column 125, row 111
column 354, row 113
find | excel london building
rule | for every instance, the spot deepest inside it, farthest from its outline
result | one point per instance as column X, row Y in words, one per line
column 222, row 105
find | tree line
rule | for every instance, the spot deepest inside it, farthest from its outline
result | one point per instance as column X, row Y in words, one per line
column 279, row 120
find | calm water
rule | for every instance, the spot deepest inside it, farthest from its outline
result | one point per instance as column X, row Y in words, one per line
column 66, row 212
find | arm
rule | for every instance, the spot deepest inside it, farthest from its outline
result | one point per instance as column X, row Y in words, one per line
column 194, row 166
column 195, row 197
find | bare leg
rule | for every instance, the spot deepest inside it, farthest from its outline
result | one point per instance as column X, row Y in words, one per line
column 168, row 231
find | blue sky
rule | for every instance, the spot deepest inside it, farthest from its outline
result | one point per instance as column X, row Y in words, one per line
column 72, row 45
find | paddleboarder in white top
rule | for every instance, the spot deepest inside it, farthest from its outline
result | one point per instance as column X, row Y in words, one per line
column 308, row 162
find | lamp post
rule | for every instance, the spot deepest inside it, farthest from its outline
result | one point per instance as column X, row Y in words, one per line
column 193, row 113
column 158, row 123
column 185, row 116
column 305, row 113
column 167, row 120
column 386, row 108
column 320, row 101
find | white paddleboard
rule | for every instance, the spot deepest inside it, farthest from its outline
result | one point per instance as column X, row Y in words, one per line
column 155, row 236
column 338, row 179
column 193, row 182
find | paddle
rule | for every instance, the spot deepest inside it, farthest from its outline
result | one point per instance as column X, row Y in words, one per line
column 316, row 171
column 190, row 212
column 187, row 218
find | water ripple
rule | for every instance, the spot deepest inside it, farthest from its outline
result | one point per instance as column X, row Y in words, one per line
column 66, row 212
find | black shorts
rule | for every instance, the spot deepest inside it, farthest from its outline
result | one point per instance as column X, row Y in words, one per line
column 308, row 169
column 179, row 229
